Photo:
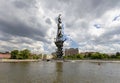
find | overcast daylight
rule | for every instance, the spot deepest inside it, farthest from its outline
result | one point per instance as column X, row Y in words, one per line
column 59, row 41
column 90, row 25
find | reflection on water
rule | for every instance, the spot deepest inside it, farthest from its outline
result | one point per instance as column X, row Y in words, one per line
column 60, row 72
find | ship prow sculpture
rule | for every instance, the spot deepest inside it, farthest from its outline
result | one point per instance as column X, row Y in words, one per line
column 59, row 39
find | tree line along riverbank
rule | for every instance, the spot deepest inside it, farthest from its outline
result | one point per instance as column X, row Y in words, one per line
column 94, row 56
column 26, row 54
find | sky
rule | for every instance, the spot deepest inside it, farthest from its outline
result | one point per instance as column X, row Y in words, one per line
column 90, row 25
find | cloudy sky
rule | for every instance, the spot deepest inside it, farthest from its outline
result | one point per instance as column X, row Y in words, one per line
column 90, row 25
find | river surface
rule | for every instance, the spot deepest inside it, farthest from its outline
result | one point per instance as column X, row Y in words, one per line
column 60, row 72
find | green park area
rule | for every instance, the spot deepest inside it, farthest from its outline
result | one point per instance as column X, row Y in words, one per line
column 24, row 54
column 92, row 56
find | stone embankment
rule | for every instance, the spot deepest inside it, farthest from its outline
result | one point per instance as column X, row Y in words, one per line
column 16, row 60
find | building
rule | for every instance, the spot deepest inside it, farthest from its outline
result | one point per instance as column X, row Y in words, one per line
column 49, row 57
column 71, row 51
column 87, row 53
column 5, row 55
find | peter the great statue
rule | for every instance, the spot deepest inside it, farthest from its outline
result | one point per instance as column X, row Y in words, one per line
column 59, row 39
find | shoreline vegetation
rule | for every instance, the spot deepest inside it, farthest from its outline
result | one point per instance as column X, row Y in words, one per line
column 19, row 60
column 24, row 54
column 93, row 56
column 27, row 56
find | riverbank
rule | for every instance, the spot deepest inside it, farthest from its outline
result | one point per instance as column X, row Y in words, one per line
column 17, row 60
column 109, row 61
column 37, row 60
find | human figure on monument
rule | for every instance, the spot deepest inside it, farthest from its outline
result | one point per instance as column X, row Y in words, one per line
column 59, row 18
column 59, row 26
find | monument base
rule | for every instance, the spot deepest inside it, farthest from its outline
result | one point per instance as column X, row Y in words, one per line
column 60, row 59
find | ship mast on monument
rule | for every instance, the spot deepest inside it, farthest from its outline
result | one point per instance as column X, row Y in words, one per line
column 59, row 39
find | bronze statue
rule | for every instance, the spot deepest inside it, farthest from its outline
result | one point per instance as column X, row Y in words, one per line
column 59, row 39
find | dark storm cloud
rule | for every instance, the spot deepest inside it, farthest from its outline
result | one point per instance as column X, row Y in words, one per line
column 12, row 24
column 96, row 8
column 48, row 21
column 24, row 3
column 82, row 8
column 4, row 36
column 20, row 4
column 18, row 28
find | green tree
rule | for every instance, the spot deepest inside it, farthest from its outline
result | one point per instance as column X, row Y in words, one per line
column 95, row 55
column 24, row 54
column 79, row 56
column 98, row 55
column 19, row 56
column 117, row 54
column 113, row 56
column 14, row 54
column 35, row 56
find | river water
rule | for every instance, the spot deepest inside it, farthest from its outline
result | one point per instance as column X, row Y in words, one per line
column 60, row 72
